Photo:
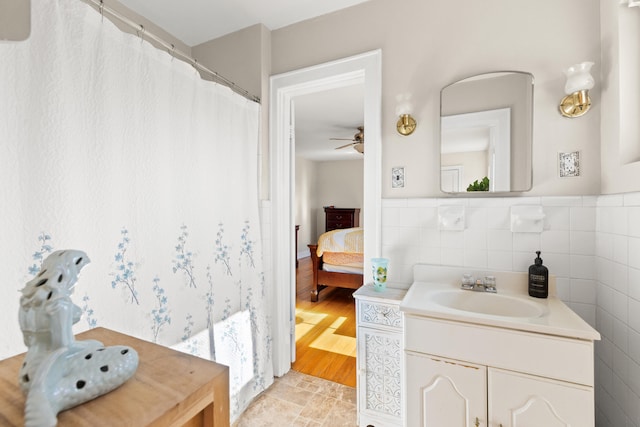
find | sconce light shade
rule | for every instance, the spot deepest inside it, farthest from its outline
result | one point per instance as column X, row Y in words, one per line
column 406, row 124
column 578, row 78
column 579, row 82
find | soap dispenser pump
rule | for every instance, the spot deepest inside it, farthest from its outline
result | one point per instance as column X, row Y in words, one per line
column 538, row 279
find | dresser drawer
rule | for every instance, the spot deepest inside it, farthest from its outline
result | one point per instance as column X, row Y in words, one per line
column 380, row 314
column 332, row 225
column 338, row 218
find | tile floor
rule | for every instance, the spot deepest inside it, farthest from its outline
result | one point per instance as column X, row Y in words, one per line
column 300, row 400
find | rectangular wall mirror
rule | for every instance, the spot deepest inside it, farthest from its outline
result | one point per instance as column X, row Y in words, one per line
column 15, row 20
column 486, row 132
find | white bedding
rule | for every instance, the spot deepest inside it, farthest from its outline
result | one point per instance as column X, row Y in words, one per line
column 341, row 269
column 341, row 240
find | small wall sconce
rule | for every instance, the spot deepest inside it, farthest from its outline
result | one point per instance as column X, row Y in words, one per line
column 579, row 81
column 406, row 124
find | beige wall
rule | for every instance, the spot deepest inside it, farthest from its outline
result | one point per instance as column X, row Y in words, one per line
column 341, row 184
column 15, row 20
column 242, row 53
column 319, row 184
column 306, row 202
column 475, row 166
column 427, row 44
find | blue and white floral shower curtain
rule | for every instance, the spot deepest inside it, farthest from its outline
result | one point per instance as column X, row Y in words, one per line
column 113, row 147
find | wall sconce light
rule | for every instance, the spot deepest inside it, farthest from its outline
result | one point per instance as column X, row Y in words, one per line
column 579, row 81
column 406, row 124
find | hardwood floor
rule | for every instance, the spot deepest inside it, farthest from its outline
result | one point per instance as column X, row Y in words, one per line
column 325, row 330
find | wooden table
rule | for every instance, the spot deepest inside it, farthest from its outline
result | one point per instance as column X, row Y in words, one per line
column 169, row 388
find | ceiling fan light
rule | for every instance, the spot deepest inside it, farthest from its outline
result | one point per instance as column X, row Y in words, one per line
column 359, row 147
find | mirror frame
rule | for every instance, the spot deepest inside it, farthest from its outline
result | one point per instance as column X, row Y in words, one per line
column 516, row 162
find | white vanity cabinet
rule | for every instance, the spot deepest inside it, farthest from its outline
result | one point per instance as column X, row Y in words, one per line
column 526, row 400
column 446, row 392
column 474, row 375
column 379, row 356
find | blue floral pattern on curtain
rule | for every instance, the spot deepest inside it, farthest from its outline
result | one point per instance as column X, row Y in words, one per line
column 113, row 147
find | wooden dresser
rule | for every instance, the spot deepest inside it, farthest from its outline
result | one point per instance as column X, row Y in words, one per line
column 341, row 218
column 169, row 388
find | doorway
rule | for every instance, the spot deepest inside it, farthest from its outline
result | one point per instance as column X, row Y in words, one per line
column 329, row 155
column 360, row 69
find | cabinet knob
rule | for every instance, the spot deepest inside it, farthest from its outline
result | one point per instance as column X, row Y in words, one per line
column 477, row 423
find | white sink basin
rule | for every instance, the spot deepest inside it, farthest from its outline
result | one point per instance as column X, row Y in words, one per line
column 488, row 303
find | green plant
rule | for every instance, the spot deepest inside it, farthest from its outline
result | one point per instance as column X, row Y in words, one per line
column 483, row 185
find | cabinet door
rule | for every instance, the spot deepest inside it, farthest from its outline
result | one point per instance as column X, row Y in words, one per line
column 380, row 374
column 443, row 392
column 520, row 400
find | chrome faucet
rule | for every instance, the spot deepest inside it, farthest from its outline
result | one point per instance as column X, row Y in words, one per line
column 488, row 285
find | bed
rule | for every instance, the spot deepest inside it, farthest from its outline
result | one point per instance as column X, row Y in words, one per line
column 337, row 260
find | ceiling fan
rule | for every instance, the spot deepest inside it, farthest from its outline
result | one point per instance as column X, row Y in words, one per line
column 357, row 141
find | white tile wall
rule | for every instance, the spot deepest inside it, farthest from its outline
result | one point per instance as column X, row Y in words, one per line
column 568, row 242
column 617, row 250
column 591, row 244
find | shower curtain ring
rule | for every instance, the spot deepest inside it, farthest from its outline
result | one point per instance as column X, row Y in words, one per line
column 141, row 32
column 172, row 51
column 102, row 10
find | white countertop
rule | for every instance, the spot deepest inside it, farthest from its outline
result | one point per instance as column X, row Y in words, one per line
column 389, row 295
column 557, row 319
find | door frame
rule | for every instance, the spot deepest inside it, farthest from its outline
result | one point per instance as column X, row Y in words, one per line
column 364, row 69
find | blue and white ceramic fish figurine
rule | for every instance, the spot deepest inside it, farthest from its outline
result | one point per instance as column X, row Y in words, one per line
column 59, row 372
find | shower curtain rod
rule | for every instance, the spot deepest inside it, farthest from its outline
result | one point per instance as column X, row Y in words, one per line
column 142, row 32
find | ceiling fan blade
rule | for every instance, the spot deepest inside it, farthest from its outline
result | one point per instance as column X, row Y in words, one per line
column 341, row 139
column 344, row 146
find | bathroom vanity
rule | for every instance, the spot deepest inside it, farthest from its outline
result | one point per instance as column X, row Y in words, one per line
column 498, row 360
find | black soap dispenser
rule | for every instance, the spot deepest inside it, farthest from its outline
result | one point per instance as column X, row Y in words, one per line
column 538, row 279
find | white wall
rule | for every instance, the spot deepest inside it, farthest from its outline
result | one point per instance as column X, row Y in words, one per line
column 340, row 184
column 306, row 201
column 319, row 184
column 618, row 310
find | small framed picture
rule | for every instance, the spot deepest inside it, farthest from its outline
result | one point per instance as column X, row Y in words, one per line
column 569, row 164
